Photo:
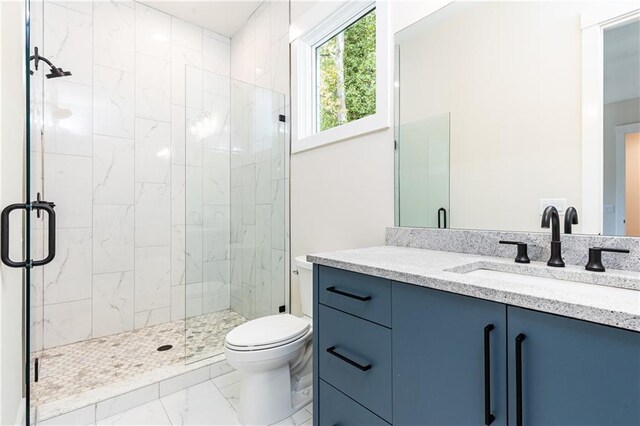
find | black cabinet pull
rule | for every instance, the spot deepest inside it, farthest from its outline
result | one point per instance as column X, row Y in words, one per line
column 519, row 339
column 332, row 351
column 333, row 289
column 488, row 415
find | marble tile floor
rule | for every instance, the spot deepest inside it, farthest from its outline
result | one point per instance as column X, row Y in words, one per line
column 85, row 366
column 212, row 402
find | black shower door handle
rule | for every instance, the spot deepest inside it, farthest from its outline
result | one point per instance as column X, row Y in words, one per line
column 51, row 254
column 4, row 243
column 442, row 212
column 5, row 226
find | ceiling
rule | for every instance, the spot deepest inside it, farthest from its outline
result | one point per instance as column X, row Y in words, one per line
column 222, row 17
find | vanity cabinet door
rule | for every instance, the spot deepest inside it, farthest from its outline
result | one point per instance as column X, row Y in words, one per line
column 564, row 371
column 439, row 366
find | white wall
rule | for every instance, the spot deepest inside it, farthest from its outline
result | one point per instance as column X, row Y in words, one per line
column 342, row 194
column 11, row 181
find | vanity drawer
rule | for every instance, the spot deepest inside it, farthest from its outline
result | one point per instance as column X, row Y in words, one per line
column 354, row 356
column 338, row 409
column 361, row 295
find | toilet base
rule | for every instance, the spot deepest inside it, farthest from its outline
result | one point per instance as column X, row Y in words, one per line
column 267, row 397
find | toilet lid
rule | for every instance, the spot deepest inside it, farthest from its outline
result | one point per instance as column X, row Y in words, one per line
column 268, row 331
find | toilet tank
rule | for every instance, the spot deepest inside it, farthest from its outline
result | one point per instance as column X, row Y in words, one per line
column 305, row 276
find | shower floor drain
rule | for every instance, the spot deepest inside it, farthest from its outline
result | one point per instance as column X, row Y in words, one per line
column 164, row 348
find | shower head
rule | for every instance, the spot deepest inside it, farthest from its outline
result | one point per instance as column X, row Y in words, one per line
column 55, row 71
column 58, row 72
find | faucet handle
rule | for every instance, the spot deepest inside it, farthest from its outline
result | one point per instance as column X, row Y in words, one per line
column 595, row 258
column 522, row 256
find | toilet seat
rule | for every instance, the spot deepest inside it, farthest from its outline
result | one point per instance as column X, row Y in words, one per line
column 267, row 333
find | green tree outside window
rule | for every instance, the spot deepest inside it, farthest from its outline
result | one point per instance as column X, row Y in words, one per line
column 346, row 74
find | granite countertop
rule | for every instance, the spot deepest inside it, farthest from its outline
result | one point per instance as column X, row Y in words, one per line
column 610, row 298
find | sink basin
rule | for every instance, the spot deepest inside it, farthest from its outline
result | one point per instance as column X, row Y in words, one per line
column 542, row 275
column 513, row 277
column 617, row 290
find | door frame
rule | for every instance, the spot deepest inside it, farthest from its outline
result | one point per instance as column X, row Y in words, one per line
column 12, row 187
column 620, row 214
column 593, row 25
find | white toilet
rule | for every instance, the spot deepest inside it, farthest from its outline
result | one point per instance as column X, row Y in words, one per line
column 273, row 354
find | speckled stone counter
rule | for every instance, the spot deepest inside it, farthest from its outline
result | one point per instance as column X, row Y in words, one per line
column 575, row 247
column 610, row 298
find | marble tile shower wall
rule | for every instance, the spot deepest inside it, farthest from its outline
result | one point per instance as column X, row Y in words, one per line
column 257, row 200
column 260, row 170
column 207, row 159
column 113, row 155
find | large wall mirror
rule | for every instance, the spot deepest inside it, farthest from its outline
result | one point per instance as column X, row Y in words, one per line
column 504, row 108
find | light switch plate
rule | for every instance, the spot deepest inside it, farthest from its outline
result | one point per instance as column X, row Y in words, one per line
column 559, row 203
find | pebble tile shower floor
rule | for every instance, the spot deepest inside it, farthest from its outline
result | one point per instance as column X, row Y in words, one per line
column 83, row 366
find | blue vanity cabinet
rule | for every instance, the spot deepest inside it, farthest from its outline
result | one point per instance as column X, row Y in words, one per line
column 439, row 371
column 393, row 353
column 351, row 348
column 571, row 372
column 355, row 358
column 339, row 409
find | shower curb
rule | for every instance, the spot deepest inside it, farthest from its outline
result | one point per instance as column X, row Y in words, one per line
column 106, row 403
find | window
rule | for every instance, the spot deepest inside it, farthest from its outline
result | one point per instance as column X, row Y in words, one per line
column 340, row 73
column 345, row 66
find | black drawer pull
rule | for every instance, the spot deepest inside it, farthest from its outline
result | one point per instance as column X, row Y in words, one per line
column 333, row 289
column 332, row 351
column 519, row 339
column 489, row 417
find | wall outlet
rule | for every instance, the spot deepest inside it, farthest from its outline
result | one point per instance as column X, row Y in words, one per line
column 609, row 208
column 559, row 203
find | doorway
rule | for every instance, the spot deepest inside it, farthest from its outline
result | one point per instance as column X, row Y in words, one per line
column 632, row 183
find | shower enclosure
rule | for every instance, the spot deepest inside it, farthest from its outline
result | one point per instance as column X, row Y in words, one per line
column 235, row 207
column 166, row 180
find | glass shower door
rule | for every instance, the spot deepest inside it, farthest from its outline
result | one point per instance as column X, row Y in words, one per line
column 234, row 198
column 30, row 217
column 422, row 180
column 38, row 225
column 58, row 182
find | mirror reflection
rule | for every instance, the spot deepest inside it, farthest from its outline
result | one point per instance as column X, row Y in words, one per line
column 504, row 108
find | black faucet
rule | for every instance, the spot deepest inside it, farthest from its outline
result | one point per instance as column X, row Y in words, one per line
column 570, row 218
column 550, row 217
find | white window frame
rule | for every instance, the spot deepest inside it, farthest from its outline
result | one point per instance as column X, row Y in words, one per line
column 319, row 24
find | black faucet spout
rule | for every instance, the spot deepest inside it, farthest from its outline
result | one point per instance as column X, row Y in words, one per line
column 551, row 218
column 570, row 218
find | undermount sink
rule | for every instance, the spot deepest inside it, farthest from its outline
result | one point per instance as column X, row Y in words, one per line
column 520, row 278
column 541, row 275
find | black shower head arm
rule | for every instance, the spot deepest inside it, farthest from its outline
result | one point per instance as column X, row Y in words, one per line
column 37, row 58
